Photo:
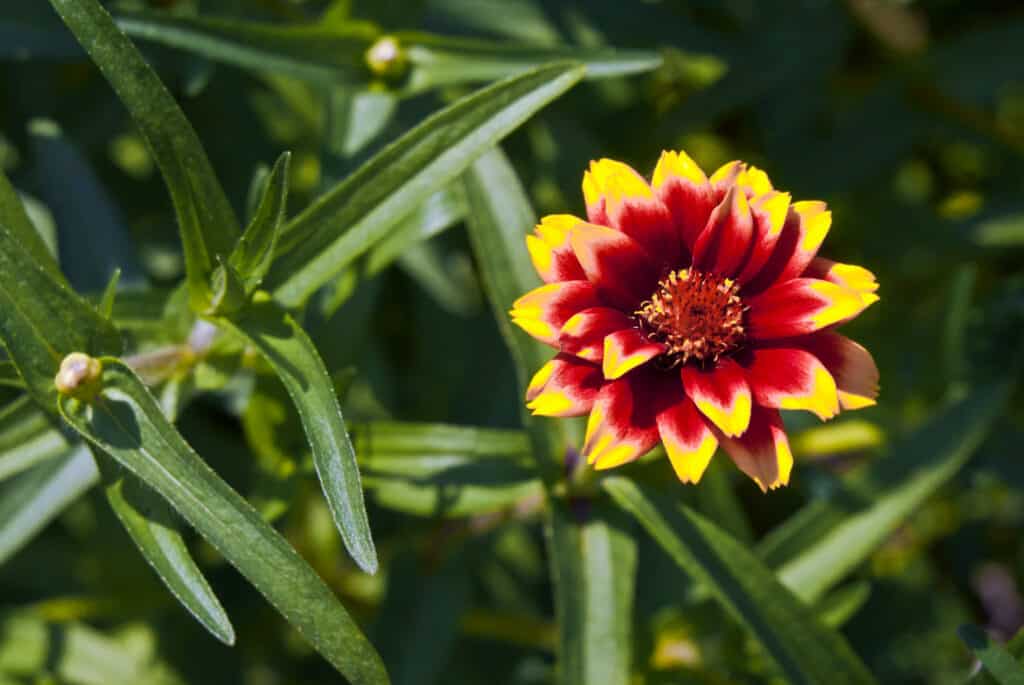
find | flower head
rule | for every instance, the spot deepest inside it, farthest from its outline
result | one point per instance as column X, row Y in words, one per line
column 689, row 311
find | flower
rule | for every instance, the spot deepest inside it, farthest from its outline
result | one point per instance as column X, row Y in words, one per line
column 689, row 311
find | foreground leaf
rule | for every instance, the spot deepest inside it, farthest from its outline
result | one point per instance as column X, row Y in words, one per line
column 207, row 223
column 593, row 563
column 996, row 659
column 898, row 485
column 13, row 215
column 361, row 210
column 126, row 422
column 153, row 528
column 32, row 499
column 252, row 255
column 297, row 363
column 27, row 437
column 804, row 649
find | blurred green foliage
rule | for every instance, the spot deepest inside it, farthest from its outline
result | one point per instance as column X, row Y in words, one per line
column 906, row 116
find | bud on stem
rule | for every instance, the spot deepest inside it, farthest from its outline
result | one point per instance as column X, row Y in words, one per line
column 79, row 377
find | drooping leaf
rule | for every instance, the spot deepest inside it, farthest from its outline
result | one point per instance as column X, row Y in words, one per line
column 34, row 497
column 898, row 485
column 360, row 211
column 997, row 660
column 252, row 255
column 593, row 564
column 125, row 421
column 804, row 649
column 153, row 528
column 297, row 363
column 206, row 221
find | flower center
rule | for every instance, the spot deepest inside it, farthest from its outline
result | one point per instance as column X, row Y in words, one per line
column 696, row 315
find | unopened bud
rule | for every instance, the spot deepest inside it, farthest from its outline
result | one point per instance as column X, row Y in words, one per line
column 386, row 57
column 79, row 376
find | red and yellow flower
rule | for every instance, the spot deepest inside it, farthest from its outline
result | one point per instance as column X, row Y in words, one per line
column 690, row 310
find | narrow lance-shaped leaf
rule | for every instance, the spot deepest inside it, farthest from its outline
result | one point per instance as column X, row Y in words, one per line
column 361, row 210
column 207, row 223
column 126, row 422
column 919, row 465
column 805, row 650
column 255, row 249
column 13, row 215
column 997, row 660
column 593, row 563
column 329, row 52
column 148, row 520
column 297, row 363
column 9, row 376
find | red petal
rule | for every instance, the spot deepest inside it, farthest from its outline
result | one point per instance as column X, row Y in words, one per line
column 688, row 440
column 769, row 213
column 721, row 393
column 849, row 363
column 847, row 275
column 627, row 349
column 565, row 386
column 805, row 229
column 801, row 306
column 543, row 311
column 622, row 425
column 551, row 252
column 783, row 378
column 725, row 242
column 583, row 335
column 763, row 451
column 685, row 191
column 620, row 269
column 649, row 223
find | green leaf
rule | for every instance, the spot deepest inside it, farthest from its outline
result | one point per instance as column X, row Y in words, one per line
column 254, row 252
column 42, row 320
column 361, row 210
column 442, row 470
column 436, row 214
column 297, row 363
column 32, row 499
column 593, row 564
column 106, row 304
column 438, row 61
column 153, row 528
column 898, row 485
column 13, row 215
column 207, row 223
column 804, row 649
column 126, row 422
column 449, row 279
column 324, row 53
column 76, row 654
column 996, row 659
column 335, row 52
column 9, row 376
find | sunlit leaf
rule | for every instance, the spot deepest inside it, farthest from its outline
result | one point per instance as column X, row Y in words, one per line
column 917, row 466
column 127, row 423
column 997, row 660
column 593, row 563
column 252, row 256
column 804, row 649
column 360, row 211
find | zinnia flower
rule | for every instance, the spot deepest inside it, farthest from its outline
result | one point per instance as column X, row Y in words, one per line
column 690, row 311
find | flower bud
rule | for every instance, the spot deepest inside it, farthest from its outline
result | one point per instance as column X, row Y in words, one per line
column 79, row 376
column 386, row 58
